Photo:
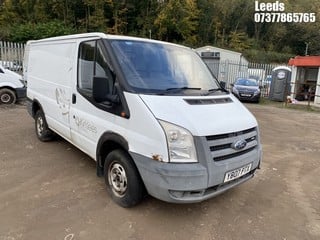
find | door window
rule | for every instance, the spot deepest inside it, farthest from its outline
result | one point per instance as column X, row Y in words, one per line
column 92, row 63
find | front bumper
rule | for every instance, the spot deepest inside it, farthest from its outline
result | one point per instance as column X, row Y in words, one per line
column 248, row 97
column 189, row 183
column 21, row 92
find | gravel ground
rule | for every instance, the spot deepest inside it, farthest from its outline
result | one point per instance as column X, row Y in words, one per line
column 50, row 190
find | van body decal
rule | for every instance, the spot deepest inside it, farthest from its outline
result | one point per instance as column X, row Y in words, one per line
column 62, row 101
column 85, row 125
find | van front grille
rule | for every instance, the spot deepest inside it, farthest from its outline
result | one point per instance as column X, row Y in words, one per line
column 222, row 146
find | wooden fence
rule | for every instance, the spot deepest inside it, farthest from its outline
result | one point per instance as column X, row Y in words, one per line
column 11, row 55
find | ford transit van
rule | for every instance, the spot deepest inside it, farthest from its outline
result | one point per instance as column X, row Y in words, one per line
column 149, row 113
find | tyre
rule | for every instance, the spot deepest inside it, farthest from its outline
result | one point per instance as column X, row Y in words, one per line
column 7, row 96
column 43, row 132
column 122, row 179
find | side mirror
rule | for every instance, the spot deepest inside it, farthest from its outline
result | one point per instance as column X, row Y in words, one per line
column 101, row 90
column 223, row 84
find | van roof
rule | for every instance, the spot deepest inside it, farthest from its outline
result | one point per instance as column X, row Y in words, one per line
column 97, row 35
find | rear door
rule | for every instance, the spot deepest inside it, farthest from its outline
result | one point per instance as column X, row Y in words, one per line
column 50, row 74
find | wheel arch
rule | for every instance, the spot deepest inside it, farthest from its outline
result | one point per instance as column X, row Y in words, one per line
column 108, row 142
column 10, row 88
column 34, row 107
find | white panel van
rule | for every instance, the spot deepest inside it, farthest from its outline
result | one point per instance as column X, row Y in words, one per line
column 12, row 87
column 149, row 113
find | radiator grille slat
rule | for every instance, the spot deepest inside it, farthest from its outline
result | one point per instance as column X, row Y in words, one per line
column 221, row 146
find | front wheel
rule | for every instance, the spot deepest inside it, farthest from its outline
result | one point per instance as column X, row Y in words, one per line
column 122, row 179
column 7, row 96
column 43, row 132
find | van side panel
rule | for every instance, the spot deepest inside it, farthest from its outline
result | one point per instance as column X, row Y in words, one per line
column 89, row 123
column 50, row 72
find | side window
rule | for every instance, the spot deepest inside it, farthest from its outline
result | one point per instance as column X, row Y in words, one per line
column 85, row 66
column 93, row 63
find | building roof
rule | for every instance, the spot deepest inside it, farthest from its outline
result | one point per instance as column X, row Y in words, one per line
column 305, row 61
column 211, row 49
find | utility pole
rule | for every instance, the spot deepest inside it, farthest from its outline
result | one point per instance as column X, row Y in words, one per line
column 307, row 46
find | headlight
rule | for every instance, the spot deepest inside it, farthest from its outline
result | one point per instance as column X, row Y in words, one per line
column 256, row 92
column 180, row 144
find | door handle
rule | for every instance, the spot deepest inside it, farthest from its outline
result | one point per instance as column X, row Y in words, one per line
column 74, row 98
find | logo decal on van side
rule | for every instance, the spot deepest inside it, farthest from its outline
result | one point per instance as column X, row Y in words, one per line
column 62, row 101
column 85, row 124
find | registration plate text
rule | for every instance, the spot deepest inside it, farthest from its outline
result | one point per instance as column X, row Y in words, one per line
column 234, row 174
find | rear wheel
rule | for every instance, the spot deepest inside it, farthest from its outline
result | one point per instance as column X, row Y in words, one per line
column 7, row 96
column 43, row 132
column 122, row 179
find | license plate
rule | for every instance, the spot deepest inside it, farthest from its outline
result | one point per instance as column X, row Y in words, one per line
column 245, row 95
column 234, row 174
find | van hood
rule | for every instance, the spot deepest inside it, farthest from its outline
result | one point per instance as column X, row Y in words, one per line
column 10, row 79
column 202, row 115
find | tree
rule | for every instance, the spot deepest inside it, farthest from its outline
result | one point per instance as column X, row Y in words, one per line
column 28, row 31
column 141, row 16
column 227, row 24
column 238, row 41
column 177, row 21
column 119, row 22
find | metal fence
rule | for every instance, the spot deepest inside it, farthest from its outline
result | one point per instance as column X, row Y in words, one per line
column 228, row 71
column 11, row 55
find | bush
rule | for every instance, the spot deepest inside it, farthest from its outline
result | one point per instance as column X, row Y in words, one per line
column 28, row 31
column 261, row 56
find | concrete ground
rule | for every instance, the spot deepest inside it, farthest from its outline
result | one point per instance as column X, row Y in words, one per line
column 50, row 190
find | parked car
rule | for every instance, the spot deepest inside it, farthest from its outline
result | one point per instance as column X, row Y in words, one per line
column 246, row 90
column 11, row 86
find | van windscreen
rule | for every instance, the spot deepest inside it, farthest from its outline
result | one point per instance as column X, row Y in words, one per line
column 152, row 67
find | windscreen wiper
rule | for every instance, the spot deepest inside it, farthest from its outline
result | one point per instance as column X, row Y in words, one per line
column 177, row 89
column 213, row 90
column 182, row 88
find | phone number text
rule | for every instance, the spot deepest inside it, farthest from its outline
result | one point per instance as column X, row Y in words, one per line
column 274, row 17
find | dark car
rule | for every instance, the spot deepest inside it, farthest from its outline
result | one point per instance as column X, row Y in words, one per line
column 246, row 90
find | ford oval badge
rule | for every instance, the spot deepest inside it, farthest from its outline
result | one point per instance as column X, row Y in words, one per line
column 239, row 144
